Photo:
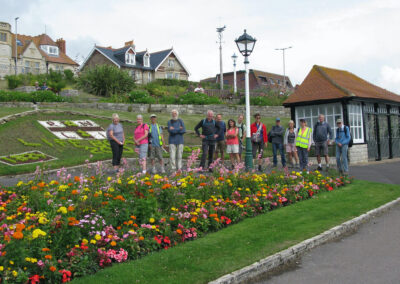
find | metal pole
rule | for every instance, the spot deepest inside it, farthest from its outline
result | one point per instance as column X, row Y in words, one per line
column 234, row 77
column 221, row 74
column 284, row 75
column 249, row 154
column 16, row 45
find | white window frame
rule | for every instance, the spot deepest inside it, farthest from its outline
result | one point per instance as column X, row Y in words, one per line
column 50, row 49
column 3, row 37
column 169, row 75
column 328, row 110
column 27, row 67
column 176, row 75
column 146, row 60
column 171, row 63
column 130, row 58
column 149, row 77
column 356, row 122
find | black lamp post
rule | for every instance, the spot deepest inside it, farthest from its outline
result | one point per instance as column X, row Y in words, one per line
column 245, row 44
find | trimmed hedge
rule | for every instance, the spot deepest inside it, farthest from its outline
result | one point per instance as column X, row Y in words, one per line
column 38, row 96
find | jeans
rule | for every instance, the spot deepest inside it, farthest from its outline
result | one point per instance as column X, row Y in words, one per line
column 275, row 147
column 303, row 158
column 341, row 158
column 207, row 146
column 116, row 152
column 175, row 152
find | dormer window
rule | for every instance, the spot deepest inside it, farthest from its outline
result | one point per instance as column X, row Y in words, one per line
column 50, row 49
column 171, row 63
column 130, row 58
column 146, row 60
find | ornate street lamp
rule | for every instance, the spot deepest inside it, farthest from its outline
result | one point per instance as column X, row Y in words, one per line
column 245, row 44
column 234, row 57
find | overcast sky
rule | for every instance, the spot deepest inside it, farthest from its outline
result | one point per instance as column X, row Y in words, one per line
column 359, row 36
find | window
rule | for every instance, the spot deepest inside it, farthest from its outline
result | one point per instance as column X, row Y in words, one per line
column 169, row 75
column 49, row 49
column 356, row 122
column 272, row 81
column 149, row 77
column 310, row 113
column 177, row 76
column 27, row 67
column 264, row 80
column 133, row 74
column 130, row 58
column 3, row 37
column 171, row 63
column 37, row 67
column 146, row 60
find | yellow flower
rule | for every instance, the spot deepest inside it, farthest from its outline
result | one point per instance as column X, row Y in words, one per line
column 20, row 183
column 43, row 220
column 63, row 210
column 97, row 237
column 33, row 260
column 28, row 259
column 109, row 178
column 152, row 220
column 37, row 233
column 1, row 268
column 93, row 242
column 85, row 241
column 15, row 273
column 11, row 262
column 111, row 189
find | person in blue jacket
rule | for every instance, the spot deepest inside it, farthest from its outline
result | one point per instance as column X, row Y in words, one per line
column 342, row 145
column 176, row 129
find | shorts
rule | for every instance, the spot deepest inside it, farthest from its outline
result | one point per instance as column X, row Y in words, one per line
column 143, row 148
column 291, row 147
column 220, row 146
column 155, row 153
column 257, row 147
column 321, row 147
column 232, row 148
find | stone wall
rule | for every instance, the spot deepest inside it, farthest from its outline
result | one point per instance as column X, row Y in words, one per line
column 267, row 111
column 358, row 154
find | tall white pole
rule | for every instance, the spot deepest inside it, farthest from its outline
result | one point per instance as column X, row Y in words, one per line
column 247, row 97
column 284, row 75
column 234, row 77
column 221, row 72
column 16, row 45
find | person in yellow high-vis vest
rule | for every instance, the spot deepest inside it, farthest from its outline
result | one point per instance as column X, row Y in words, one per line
column 303, row 144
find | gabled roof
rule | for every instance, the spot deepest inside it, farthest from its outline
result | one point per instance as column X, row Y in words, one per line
column 38, row 40
column 269, row 75
column 323, row 83
column 117, row 56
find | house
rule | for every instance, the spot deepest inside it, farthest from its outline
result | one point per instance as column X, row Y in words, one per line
column 35, row 54
column 143, row 66
column 257, row 80
column 372, row 113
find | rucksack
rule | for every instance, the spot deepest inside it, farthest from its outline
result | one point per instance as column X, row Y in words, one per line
column 256, row 137
column 204, row 121
column 351, row 136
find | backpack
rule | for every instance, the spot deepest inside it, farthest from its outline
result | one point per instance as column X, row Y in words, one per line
column 351, row 136
column 204, row 121
column 256, row 137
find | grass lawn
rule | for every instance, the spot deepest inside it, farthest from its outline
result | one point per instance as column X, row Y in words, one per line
column 4, row 111
column 240, row 245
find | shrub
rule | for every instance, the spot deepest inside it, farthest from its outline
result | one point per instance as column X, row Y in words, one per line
column 198, row 99
column 105, row 80
column 140, row 97
column 13, row 81
column 38, row 96
column 271, row 99
column 69, row 75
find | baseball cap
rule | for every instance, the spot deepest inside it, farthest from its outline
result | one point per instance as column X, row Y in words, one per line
column 153, row 115
column 277, row 119
column 339, row 120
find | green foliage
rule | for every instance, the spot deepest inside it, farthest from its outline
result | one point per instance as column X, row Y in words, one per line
column 13, row 81
column 106, row 80
column 69, row 75
column 38, row 96
column 25, row 158
column 198, row 99
column 270, row 99
column 140, row 97
column 23, row 142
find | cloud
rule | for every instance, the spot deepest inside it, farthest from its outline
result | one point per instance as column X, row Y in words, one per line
column 390, row 78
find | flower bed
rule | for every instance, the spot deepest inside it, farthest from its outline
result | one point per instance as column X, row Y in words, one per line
column 25, row 158
column 54, row 231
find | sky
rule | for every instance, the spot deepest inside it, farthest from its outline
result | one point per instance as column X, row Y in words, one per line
column 358, row 36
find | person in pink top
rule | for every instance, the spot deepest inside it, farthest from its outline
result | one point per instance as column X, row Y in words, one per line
column 141, row 140
column 232, row 142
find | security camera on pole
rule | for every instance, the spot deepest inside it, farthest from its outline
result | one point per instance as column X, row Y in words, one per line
column 245, row 44
column 234, row 57
column 221, row 74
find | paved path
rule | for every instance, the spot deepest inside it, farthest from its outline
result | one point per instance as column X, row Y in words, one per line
column 371, row 255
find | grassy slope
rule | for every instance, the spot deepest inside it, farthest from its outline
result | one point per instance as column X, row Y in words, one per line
column 237, row 246
column 4, row 111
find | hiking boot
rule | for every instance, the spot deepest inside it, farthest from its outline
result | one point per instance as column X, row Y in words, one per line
column 327, row 167
column 259, row 168
column 319, row 168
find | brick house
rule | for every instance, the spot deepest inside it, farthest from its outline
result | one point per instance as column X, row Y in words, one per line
column 35, row 54
column 143, row 66
column 257, row 80
column 372, row 113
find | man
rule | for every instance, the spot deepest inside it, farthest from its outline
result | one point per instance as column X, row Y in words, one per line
column 242, row 134
column 277, row 133
column 303, row 144
column 209, row 132
column 342, row 145
column 220, row 141
column 176, row 129
column 259, row 138
column 320, row 135
column 156, row 144
column 199, row 89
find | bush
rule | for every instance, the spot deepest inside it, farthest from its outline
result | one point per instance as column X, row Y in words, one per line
column 55, row 80
column 13, row 81
column 140, row 97
column 38, row 96
column 69, row 75
column 273, row 98
column 198, row 99
column 106, row 80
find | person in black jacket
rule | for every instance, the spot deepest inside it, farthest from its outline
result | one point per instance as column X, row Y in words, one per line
column 209, row 130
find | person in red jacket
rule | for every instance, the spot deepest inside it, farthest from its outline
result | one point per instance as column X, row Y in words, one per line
column 259, row 139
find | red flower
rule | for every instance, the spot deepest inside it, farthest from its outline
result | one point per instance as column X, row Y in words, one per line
column 34, row 279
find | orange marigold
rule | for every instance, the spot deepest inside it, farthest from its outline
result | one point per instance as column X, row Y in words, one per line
column 179, row 231
column 113, row 243
column 48, row 256
column 45, row 249
column 77, row 179
column 18, row 235
column 52, row 268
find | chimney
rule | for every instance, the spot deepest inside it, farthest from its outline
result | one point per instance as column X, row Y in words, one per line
column 61, row 45
column 129, row 43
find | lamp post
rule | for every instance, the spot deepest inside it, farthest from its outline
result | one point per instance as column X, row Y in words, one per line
column 16, row 45
column 284, row 75
column 234, row 57
column 245, row 44
column 221, row 73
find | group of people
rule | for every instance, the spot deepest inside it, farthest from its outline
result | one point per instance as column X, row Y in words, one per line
column 41, row 88
column 219, row 137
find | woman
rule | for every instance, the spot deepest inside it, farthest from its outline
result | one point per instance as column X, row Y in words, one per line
column 141, row 141
column 259, row 139
column 116, row 136
column 232, row 142
column 290, row 143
